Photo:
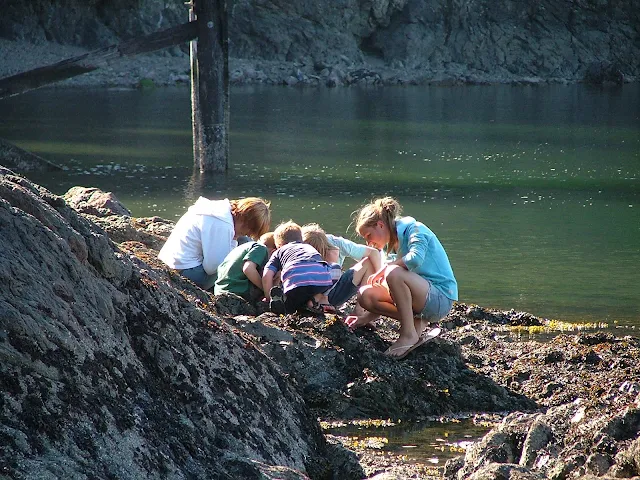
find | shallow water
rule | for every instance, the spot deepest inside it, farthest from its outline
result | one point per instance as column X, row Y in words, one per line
column 534, row 192
column 430, row 443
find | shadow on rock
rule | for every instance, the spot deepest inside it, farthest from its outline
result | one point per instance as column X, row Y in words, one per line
column 342, row 374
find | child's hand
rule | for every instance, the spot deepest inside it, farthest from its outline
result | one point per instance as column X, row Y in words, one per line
column 377, row 278
column 366, row 321
column 351, row 321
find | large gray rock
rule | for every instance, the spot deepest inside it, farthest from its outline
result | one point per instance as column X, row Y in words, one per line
column 108, row 370
column 593, row 436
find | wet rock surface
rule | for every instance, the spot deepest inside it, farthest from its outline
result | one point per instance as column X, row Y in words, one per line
column 589, row 420
column 110, row 362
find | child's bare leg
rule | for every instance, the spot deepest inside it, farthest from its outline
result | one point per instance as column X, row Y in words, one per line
column 360, row 317
column 361, row 271
column 401, row 294
column 420, row 325
column 407, row 293
column 376, row 299
column 360, row 312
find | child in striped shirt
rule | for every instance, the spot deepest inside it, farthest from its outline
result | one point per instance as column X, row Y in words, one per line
column 305, row 275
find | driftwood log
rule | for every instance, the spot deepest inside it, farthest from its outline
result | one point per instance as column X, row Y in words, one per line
column 71, row 67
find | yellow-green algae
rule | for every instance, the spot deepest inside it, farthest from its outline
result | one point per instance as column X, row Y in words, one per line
column 552, row 326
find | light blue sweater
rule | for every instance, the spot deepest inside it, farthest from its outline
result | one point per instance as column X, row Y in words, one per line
column 422, row 253
column 347, row 248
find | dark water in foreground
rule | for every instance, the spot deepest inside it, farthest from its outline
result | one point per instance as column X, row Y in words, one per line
column 534, row 192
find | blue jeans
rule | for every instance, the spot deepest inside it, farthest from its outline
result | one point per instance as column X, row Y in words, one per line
column 198, row 276
column 343, row 289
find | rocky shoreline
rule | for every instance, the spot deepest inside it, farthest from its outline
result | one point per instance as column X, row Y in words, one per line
column 111, row 363
column 172, row 68
column 380, row 42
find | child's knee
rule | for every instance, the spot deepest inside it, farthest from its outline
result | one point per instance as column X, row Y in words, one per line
column 365, row 295
column 394, row 273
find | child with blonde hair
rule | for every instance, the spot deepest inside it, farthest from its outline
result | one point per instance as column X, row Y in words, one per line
column 345, row 284
column 416, row 286
column 315, row 236
column 305, row 275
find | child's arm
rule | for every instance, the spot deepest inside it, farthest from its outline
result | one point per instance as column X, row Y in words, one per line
column 374, row 257
column 418, row 245
column 250, row 269
column 378, row 276
column 399, row 262
column 357, row 251
column 333, row 255
column 267, row 282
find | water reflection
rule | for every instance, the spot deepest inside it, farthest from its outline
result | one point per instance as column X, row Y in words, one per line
column 432, row 442
column 533, row 191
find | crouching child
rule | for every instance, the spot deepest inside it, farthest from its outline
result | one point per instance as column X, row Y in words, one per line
column 241, row 270
column 305, row 275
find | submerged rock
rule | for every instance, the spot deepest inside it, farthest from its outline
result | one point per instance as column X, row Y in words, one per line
column 21, row 160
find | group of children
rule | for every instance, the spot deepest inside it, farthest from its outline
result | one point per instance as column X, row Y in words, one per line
column 402, row 272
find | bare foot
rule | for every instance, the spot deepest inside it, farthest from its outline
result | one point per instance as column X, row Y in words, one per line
column 420, row 325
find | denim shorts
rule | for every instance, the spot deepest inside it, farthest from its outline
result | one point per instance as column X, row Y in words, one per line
column 437, row 305
column 198, row 276
column 343, row 289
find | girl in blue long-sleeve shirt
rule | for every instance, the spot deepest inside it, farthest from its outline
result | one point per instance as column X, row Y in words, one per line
column 415, row 286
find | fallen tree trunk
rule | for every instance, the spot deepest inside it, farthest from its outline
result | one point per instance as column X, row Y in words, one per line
column 71, row 67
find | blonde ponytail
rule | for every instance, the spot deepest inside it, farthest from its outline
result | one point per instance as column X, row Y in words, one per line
column 384, row 209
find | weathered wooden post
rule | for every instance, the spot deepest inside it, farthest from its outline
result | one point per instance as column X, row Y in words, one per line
column 210, row 86
column 195, row 98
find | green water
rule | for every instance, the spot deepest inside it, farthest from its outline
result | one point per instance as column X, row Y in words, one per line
column 534, row 192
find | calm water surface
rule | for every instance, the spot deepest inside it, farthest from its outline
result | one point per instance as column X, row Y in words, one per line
column 534, row 192
column 431, row 443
